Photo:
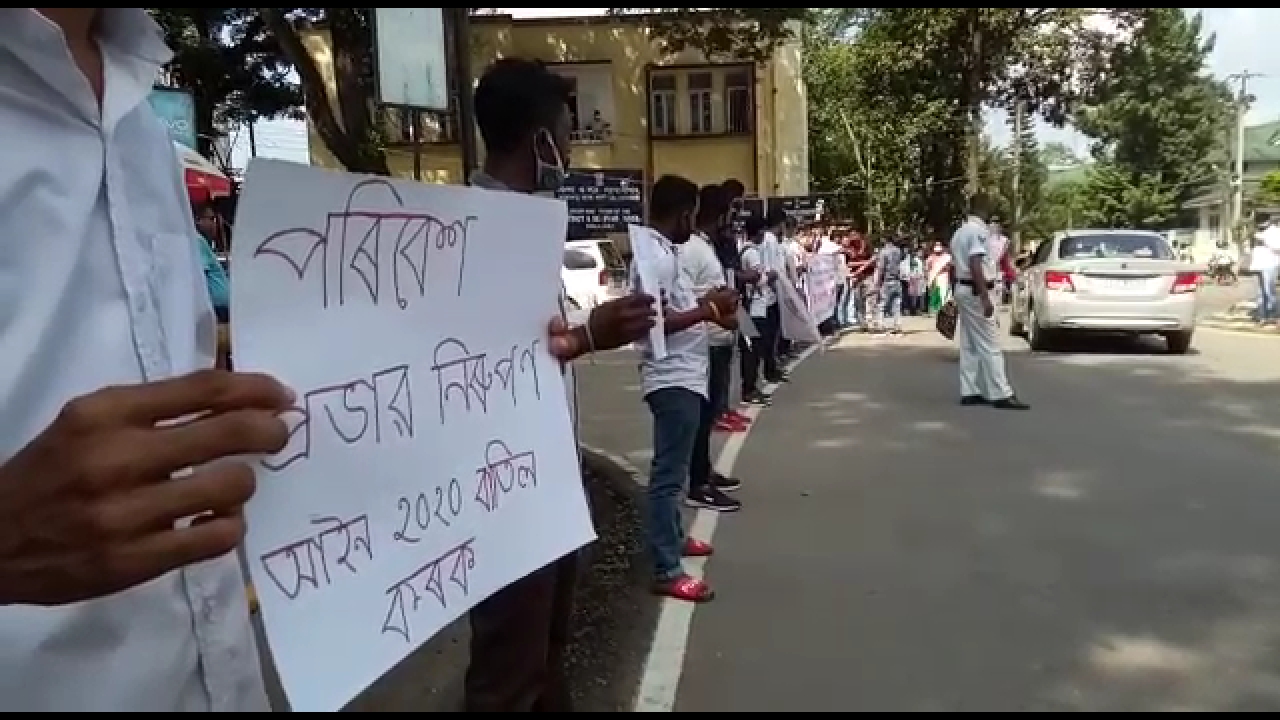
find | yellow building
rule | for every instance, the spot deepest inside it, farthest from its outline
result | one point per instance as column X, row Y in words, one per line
column 638, row 107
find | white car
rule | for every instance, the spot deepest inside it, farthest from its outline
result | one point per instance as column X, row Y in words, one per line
column 593, row 272
column 1123, row 281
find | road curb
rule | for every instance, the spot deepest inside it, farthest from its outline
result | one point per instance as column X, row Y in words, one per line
column 612, row 466
column 1241, row 326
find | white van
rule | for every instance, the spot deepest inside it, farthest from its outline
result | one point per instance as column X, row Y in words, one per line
column 593, row 272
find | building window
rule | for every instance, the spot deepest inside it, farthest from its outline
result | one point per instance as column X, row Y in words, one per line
column 590, row 102
column 433, row 127
column 662, row 99
column 700, row 102
column 737, row 101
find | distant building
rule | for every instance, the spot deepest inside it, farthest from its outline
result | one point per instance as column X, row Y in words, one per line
column 637, row 110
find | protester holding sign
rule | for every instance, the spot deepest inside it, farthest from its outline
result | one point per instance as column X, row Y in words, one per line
column 111, row 597
column 700, row 265
column 675, row 385
column 518, row 635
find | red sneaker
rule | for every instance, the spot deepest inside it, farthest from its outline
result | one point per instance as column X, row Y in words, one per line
column 694, row 547
column 739, row 417
column 684, row 587
column 725, row 425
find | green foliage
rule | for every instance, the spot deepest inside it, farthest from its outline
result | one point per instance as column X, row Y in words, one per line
column 231, row 65
column 1159, row 121
column 1056, row 154
column 1114, row 196
column 1269, row 189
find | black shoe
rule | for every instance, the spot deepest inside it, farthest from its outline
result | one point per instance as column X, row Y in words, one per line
column 1010, row 403
column 973, row 400
column 710, row 497
column 757, row 398
column 728, row 484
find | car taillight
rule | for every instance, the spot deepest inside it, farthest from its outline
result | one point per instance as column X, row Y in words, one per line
column 1057, row 280
column 1185, row 282
column 604, row 278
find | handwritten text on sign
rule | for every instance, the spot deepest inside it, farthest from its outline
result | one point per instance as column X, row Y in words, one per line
column 430, row 460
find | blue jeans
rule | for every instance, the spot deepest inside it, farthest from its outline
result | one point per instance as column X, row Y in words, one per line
column 676, row 412
column 891, row 303
column 1267, row 309
column 842, row 308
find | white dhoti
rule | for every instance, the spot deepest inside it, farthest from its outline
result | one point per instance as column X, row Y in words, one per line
column 981, row 360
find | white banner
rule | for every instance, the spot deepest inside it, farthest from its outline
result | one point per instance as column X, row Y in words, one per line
column 797, row 322
column 820, row 284
column 431, row 459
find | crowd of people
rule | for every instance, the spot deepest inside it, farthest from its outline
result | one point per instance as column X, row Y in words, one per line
column 122, row 482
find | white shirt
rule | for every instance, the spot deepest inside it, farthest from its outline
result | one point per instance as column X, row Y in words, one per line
column 970, row 240
column 761, row 295
column 699, row 263
column 101, row 284
column 1271, row 238
column 687, row 362
column 1262, row 258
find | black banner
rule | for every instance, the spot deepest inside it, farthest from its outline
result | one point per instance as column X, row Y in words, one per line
column 801, row 207
column 603, row 201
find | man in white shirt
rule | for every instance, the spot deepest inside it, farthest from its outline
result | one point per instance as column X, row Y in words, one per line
column 119, row 588
column 675, row 386
column 772, row 262
column 1264, row 259
column 702, row 269
column 982, row 372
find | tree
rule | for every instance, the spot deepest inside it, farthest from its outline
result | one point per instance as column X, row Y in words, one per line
column 876, row 157
column 974, row 57
column 347, row 122
column 1269, row 188
column 1056, row 154
column 230, row 64
column 1159, row 122
column 1115, row 197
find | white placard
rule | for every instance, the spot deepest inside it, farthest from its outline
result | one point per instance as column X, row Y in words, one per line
column 797, row 322
column 647, row 254
column 412, row 67
column 431, row 460
column 820, row 284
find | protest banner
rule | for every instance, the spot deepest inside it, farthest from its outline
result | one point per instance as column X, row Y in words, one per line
column 820, row 284
column 798, row 324
column 431, row 459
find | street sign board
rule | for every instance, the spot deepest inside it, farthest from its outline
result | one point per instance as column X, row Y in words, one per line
column 603, row 201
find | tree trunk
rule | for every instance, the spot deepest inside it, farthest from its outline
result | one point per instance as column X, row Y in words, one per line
column 347, row 139
column 973, row 102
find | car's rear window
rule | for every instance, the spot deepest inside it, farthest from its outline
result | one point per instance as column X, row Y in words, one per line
column 1114, row 245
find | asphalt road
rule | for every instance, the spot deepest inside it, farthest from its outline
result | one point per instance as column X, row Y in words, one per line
column 1117, row 548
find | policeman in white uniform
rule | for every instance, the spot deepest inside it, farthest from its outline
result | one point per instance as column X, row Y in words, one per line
column 982, row 375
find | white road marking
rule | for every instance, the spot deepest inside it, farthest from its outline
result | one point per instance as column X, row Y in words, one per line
column 665, row 663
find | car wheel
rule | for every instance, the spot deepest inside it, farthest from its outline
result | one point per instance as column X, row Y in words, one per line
column 1037, row 338
column 1179, row 342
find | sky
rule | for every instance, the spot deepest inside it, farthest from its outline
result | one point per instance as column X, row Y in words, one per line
column 1244, row 37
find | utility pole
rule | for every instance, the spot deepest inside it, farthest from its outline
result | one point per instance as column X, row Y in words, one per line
column 1237, row 180
column 1019, row 111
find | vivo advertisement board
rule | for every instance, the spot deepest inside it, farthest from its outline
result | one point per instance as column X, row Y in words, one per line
column 177, row 110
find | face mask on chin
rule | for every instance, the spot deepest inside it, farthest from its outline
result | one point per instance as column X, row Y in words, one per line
column 548, row 177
